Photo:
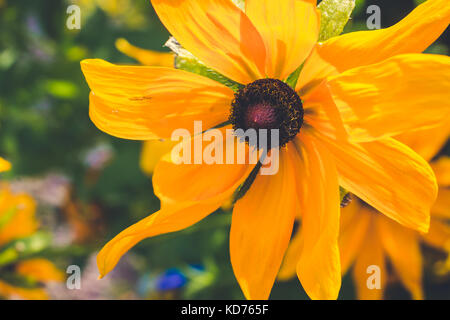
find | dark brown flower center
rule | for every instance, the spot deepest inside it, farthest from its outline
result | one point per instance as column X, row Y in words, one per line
column 268, row 104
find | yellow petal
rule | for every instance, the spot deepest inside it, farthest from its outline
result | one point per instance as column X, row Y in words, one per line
column 23, row 221
column 12, row 292
column 40, row 269
column 173, row 181
column 152, row 152
column 289, row 29
column 144, row 56
column 406, row 92
column 318, row 268
column 353, row 234
column 441, row 168
column 402, row 247
column 4, row 165
column 218, row 33
column 261, row 227
column 427, row 143
column 371, row 254
column 439, row 235
column 441, row 208
column 169, row 219
column 289, row 266
column 143, row 103
column 388, row 175
column 413, row 34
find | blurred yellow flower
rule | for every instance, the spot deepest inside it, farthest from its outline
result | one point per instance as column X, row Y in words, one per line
column 4, row 165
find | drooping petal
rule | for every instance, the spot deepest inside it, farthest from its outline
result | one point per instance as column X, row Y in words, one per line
column 145, row 56
column 289, row 29
column 318, row 192
column 428, row 142
column 439, row 235
column 200, row 179
column 261, row 227
column 169, row 219
column 142, row 103
column 403, row 93
column 387, row 175
column 218, row 33
column 352, row 235
column 370, row 268
column 289, row 266
column 152, row 152
column 441, row 168
column 402, row 246
column 413, row 34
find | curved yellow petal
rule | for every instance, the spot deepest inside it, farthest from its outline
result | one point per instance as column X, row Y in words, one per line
column 4, row 165
column 218, row 33
column 261, row 227
column 318, row 268
column 289, row 28
column 441, row 168
column 143, row 103
column 413, row 34
column 168, row 219
column 439, row 235
column 387, row 175
column 152, row 152
column 352, row 235
column 402, row 247
column 40, row 269
column 289, row 266
column 365, row 269
column 403, row 93
column 145, row 56
column 201, row 180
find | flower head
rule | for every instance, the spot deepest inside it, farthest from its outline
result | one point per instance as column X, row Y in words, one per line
column 335, row 122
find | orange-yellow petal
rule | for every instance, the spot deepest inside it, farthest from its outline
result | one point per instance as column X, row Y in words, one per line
column 413, row 34
column 441, row 208
column 402, row 247
column 169, row 219
column 439, row 235
column 352, row 235
column 261, row 227
column 441, row 168
column 289, row 266
column 152, row 152
column 218, row 33
column 403, row 93
column 13, row 292
column 4, row 165
column 145, row 56
column 143, row 103
column 318, row 268
column 387, row 175
column 40, row 269
column 289, row 28
column 370, row 264
column 196, row 179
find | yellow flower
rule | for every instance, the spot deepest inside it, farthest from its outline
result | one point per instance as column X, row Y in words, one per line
column 17, row 220
column 369, row 238
column 371, row 89
column 4, row 165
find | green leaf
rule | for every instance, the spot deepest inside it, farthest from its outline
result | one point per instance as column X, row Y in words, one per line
column 184, row 60
column 7, row 216
column 23, row 248
column 334, row 17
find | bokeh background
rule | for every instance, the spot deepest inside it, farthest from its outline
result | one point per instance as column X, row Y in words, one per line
column 88, row 186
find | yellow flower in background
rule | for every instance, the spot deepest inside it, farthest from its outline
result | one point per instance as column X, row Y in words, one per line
column 386, row 90
column 4, row 165
column 369, row 238
column 17, row 221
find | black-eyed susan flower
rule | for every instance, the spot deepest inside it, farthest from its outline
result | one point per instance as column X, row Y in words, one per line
column 353, row 93
column 368, row 238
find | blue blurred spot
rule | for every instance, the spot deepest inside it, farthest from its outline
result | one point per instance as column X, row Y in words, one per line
column 170, row 279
